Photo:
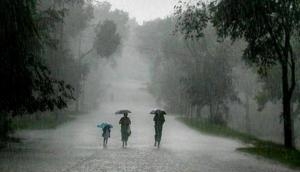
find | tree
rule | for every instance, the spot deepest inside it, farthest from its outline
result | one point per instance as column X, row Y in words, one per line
column 188, row 75
column 71, row 21
column 244, row 84
column 102, row 46
column 107, row 39
column 267, row 26
column 27, row 85
column 104, row 12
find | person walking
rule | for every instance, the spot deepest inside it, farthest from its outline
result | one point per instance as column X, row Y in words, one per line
column 125, row 129
column 106, row 128
column 159, row 120
column 105, row 134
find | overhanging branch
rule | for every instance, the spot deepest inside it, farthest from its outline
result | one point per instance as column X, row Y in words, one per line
column 85, row 54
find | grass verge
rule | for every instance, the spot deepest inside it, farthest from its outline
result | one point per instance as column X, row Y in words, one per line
column 41, row 121
column 269, row 150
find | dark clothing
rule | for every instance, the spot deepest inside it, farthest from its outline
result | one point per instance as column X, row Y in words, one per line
column 159, row 120
column 125, row 128
column 106, row 132
column 158, row 132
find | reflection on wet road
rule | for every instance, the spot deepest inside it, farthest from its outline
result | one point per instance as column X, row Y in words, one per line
column 76, row 146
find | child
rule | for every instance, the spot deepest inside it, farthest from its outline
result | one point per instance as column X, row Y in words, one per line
column 105, row 134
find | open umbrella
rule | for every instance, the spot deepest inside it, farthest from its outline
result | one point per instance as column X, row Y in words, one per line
column 123, row 111
column 104, row 124
column 158, row 111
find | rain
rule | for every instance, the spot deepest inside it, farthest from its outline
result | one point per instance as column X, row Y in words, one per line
column 149, row 86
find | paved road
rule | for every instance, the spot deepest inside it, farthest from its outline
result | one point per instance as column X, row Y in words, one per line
column 76, row 146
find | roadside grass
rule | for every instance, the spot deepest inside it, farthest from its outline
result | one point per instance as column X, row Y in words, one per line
column 42, row 121
column 266, row 149
column 38, row 121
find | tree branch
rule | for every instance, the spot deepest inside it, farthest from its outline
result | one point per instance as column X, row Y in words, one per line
column 85, row 54
column 273, row 38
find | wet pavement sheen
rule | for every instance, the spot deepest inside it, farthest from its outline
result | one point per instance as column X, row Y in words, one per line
column 77, row 145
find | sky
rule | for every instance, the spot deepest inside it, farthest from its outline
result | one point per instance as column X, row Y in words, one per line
column 145, row 10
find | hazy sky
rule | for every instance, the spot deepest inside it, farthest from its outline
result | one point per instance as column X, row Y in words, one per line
column 144, row 10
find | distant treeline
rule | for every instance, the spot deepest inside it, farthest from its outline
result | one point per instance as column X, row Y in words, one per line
column 229, row 62
column 44, row 65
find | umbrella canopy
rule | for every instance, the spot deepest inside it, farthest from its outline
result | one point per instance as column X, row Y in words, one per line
column 123, row 111
column 104, row 124
column 158, row 111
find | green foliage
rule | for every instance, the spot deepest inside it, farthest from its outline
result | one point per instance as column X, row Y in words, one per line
column 107, row 39
column 28, row 40
column 193, row 73
column 268, row 27
column 5, row 127
column 271, row 88
column 207, row 127
column 77, row 18
column 27, row 84
column 290, row 157
column 60, row 22
column 192, row 20
column 104, row 11
column 38, row 122
column 260, row 23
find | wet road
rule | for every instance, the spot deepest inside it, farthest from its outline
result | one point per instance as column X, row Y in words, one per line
column 77, row 145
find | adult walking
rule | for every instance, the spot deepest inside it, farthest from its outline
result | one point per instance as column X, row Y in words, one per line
column 125, row 127
column 159, row 121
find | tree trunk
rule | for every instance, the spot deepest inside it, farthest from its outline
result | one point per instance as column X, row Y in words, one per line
column 286, row 102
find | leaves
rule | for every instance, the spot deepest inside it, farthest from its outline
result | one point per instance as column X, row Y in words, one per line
column 266, row 25
column 107, row 39
column 188, row 72
column 27, row 85
column 192, row 20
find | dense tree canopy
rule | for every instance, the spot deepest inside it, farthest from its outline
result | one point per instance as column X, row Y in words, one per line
column 107, row 39
column 188, row 75
column 267, row 26
column 27, row 84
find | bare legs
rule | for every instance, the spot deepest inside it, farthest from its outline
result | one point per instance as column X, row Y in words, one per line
column 105, row 142
column 157, row 143
column 124, row 144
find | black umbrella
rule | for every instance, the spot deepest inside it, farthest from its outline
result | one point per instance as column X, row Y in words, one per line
column 123, row 111
column 158, row 111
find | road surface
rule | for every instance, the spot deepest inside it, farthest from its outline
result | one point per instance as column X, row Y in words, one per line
column 77, row 145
